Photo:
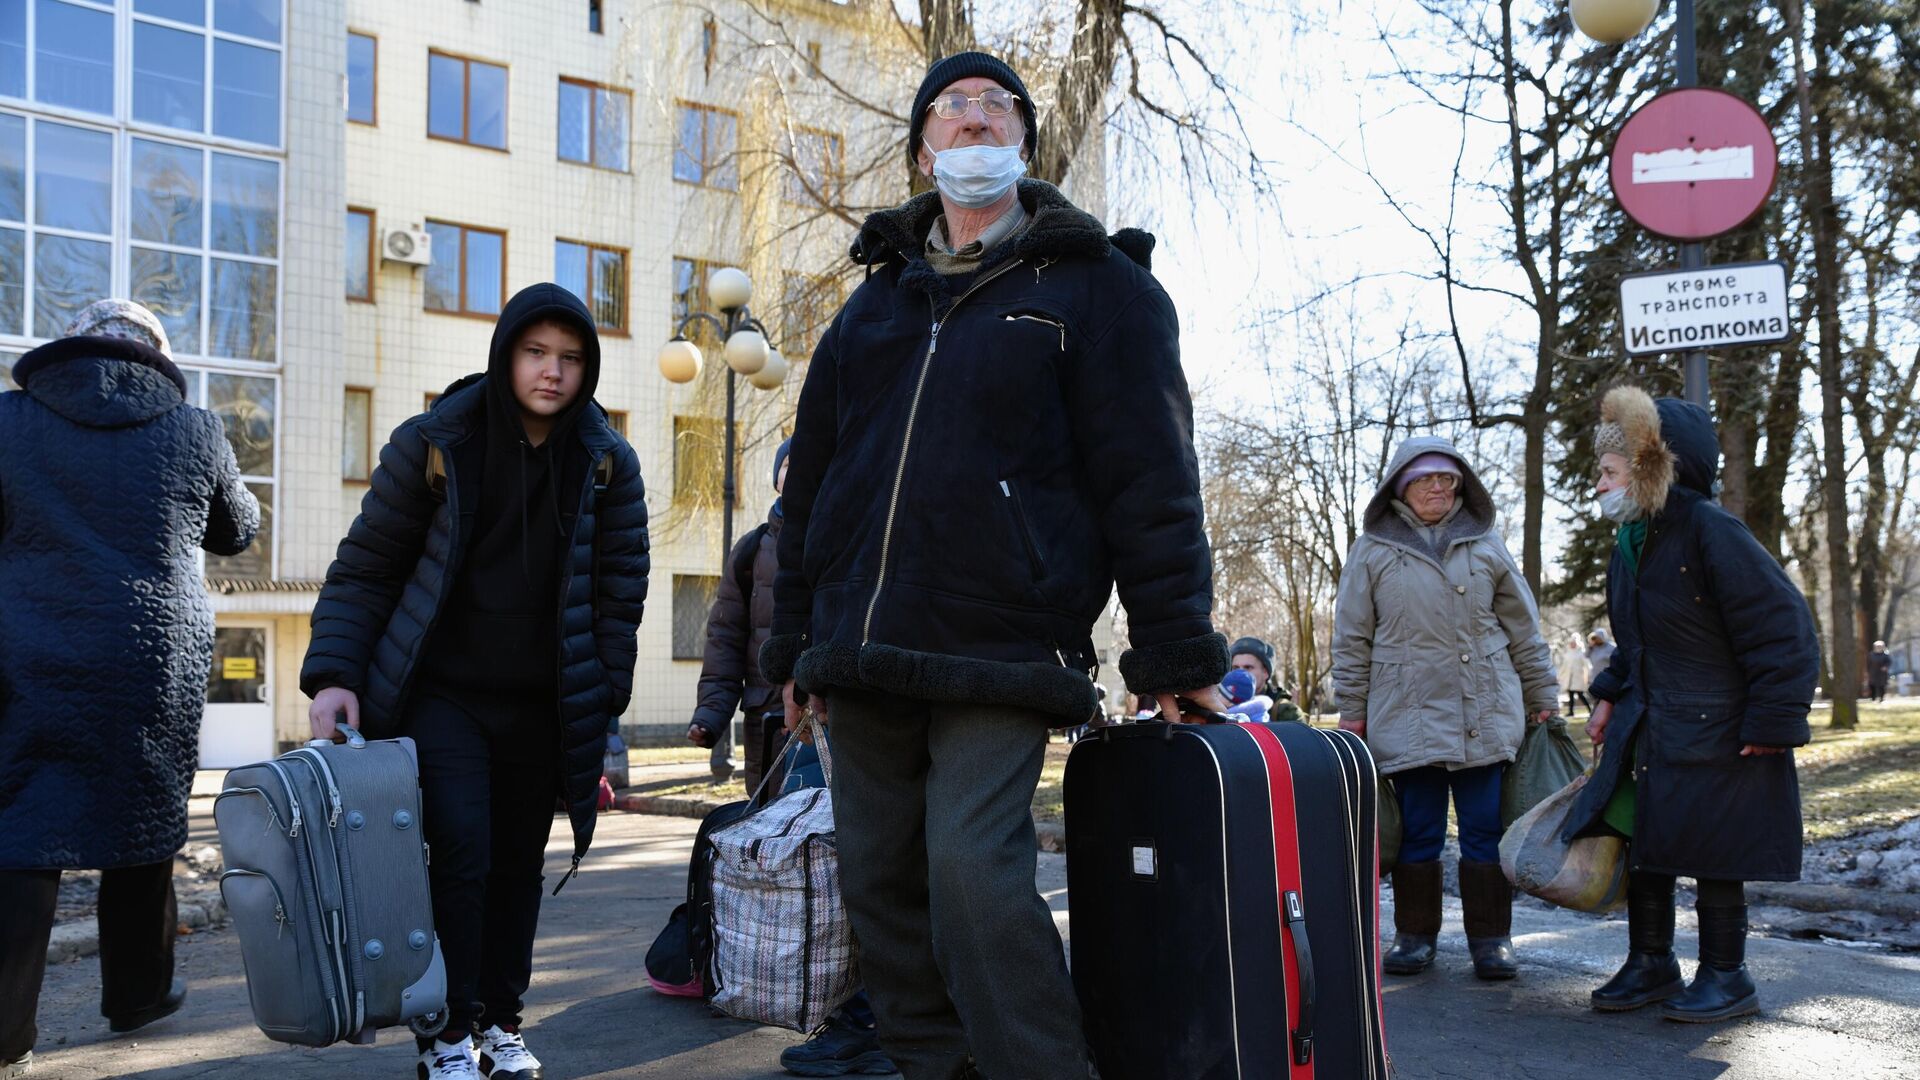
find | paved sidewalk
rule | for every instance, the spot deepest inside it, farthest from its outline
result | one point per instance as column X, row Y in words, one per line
column 1831, row 1010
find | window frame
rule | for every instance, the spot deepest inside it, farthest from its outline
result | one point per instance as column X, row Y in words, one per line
column 707, row 168
column 593, row 125
column 464, row 312
column 374, row 92
column 210, row 36
column 686, row 423
column 347, row 391
column 122, row 244
column 373, row 254
column 834, row 189
column 626, row 282
column 466, row 102
column 198, row 389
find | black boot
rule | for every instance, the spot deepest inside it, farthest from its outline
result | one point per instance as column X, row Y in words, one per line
column 1651, row 972
column 1486, row 906
column 1416, row 918
column 1721, row 988
column 140, row 1018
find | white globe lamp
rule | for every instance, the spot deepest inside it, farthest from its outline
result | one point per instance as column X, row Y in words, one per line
column 680, row 360
column 772, row 373
column 729, row 289
column 1612, row 22
column 747, row 351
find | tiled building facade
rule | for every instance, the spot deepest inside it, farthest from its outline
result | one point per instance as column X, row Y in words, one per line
column 238, row 164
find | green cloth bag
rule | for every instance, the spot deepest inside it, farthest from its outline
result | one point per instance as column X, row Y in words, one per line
column 1548, row 761
column 1389, row 824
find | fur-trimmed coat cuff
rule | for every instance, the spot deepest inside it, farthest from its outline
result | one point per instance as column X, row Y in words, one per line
column 1176, row 666
column 778, row 656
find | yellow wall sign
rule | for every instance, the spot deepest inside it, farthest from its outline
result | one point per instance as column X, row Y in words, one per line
column 239, row 667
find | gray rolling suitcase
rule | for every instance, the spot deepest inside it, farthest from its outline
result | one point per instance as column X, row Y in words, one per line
column 326, row 882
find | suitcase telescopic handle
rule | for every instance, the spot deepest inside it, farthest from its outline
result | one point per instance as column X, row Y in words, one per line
column 1303, row 960
column 355, row 740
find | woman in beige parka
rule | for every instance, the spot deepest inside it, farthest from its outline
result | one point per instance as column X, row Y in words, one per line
column 1438, row 663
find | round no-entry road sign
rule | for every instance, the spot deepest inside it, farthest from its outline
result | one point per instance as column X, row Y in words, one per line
column 1693, row 163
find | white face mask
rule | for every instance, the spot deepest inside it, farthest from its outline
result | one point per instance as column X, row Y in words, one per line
column 1618, row 507
column 977, row 176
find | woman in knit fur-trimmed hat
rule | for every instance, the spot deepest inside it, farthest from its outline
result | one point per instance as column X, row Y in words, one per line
column 1699, row 707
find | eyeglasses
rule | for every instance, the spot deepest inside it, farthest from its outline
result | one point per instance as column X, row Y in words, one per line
column 1437, row 482
column 953, row 106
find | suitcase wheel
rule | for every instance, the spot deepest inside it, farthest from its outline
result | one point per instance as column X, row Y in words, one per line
column 429, row 1025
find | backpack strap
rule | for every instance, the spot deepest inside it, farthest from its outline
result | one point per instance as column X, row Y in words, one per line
column 743, row 563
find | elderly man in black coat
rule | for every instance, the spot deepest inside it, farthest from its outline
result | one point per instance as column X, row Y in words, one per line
column 1700, row 707
column 109, row 486
column 960, row 506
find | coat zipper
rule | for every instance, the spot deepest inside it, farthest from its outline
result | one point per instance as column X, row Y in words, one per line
column 1043, row 321
column 906, row 444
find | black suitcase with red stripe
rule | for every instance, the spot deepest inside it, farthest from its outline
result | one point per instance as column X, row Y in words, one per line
column 1224, row 902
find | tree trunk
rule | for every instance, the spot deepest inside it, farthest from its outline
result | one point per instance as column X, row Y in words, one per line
column 1816, row 142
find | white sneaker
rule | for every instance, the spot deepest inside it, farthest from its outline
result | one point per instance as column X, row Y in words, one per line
column 504, row 1056
column 448, row 1061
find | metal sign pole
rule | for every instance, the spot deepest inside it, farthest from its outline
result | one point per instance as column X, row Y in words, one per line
column 1693, row 255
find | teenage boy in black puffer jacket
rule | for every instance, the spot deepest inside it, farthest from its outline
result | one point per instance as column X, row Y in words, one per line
column 485, row 604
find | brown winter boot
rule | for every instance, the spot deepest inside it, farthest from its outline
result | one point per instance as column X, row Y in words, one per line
column 1486, row 906
column 1416, row 918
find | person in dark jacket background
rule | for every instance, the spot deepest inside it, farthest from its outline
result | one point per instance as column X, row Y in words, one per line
column 1879, row 671
column 1256, row 658
column 737, row 626
column 1705, row 696
column 485, row 603
column 109, row 485
column 958, row 511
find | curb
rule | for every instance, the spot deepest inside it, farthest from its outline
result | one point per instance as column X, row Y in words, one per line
column 1052, row 836
column 71, row 941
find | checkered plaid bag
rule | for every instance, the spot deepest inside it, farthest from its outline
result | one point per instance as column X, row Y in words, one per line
column 782, row 946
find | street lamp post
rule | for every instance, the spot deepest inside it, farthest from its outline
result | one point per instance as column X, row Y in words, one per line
column 1614, row 22
column 746, row 352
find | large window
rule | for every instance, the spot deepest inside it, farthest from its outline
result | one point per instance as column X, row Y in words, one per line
column 466, row 100
column 56, row 223
column 360, row 259
column 807, row 304
column 815, row 175
column 363, row 78
column 356, row 435
column 705, row 154
column 598, row 276
column 594, row 124
column 204, row 254
column 70, row 54
column 690, row 295
column 210, row 66
column 469, row 271
column 247, row 406
column 699, row 448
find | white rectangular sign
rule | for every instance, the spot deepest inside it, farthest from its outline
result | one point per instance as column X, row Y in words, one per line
column 1709, row 308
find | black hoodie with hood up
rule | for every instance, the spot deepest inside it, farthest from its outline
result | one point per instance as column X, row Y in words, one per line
column 501, row 622
column 437, row 552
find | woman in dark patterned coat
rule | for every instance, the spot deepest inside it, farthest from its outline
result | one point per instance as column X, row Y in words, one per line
column 109, row 486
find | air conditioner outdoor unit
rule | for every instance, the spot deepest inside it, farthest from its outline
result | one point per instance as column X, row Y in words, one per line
column 412, row 245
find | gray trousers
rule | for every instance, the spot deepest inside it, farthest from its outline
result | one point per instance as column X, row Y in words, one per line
column 935, row 833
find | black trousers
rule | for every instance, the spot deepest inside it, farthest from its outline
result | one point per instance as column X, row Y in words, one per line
column 138, row 920
column 933, row 809
column 489, row 775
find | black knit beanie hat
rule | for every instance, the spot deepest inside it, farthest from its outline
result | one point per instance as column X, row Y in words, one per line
column 780, row 458
column 969, row 65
